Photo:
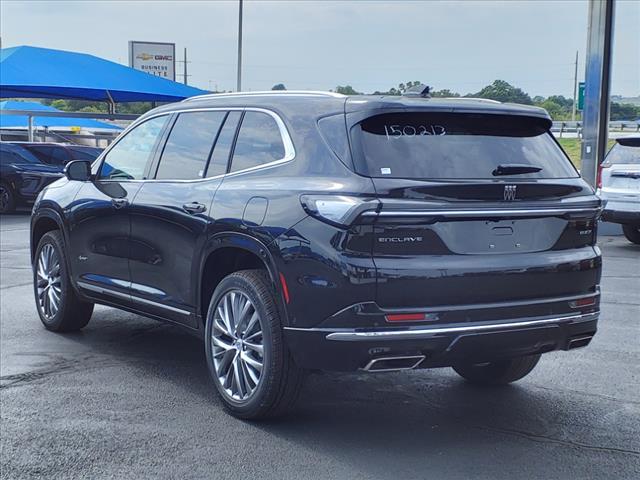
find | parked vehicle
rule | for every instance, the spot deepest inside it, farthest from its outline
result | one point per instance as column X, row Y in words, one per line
column 300, row 231
column 59, row 154
column 619, row 185
column 22, row 177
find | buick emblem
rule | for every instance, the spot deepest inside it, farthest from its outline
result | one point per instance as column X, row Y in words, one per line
column 509, row 193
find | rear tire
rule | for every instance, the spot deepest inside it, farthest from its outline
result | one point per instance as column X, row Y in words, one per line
column 500, row 372
column 59, row 307
column 632, row 232
column 258, row 351
column 7, row 199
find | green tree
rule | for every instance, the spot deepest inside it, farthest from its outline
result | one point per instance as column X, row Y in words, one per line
column 444, row 93
column 402, row 87
column 624, row 111
column 279, row 86
column 346, row 90
column 504, row 92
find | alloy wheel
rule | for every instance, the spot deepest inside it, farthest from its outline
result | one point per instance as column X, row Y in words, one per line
column 237, row 345
column 49, row 281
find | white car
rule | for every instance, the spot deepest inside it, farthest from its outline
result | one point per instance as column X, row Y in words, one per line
column 619, row 185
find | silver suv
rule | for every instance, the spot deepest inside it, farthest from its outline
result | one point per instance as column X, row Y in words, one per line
column 619, row 185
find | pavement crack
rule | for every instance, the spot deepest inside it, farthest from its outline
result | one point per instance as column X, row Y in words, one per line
column 547, row 439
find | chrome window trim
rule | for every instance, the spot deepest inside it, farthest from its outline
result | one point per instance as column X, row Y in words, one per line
column 289, row 149
column 128, row 296
column 352, row 335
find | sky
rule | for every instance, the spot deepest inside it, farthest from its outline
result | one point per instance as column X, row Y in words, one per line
column 371, row 45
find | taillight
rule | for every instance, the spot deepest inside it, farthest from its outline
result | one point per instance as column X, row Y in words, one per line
column 340, row 210
column 599, row 175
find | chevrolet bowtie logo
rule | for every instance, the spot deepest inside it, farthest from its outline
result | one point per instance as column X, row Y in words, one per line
column 144, row 57
column 509, row 193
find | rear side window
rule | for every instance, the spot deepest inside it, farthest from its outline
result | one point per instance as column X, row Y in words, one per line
column 457, row 146
column 259, row 142
column 220, row 157
column 623, row 154
column 128, row 159
column 84, row 153
column 50, row 154
column 189, row 145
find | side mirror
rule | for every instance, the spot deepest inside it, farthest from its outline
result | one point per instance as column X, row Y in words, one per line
column 79, row 170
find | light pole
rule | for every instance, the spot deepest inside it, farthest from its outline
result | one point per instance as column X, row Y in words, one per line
column 595, row 115
column 239, row 79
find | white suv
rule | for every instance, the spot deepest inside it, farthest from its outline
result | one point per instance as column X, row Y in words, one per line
column 619, row 185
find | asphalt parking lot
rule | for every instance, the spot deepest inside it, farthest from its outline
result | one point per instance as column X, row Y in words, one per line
column 130, row 398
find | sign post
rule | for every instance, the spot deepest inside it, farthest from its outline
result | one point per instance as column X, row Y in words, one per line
column 155, row 58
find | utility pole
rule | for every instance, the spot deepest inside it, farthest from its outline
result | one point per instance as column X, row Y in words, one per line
column 239, row 82
column 184, row 62
column 185, row 66
column 575, row 89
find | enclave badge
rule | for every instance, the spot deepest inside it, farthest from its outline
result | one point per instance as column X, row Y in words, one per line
column 509, row 193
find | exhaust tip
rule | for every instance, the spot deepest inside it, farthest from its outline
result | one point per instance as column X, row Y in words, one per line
column 394, row 364
column 578, row 342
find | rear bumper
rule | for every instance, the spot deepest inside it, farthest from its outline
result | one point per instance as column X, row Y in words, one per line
column 621, row 216
column 348, row 349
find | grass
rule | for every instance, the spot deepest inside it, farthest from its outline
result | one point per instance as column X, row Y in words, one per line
column 572, row 147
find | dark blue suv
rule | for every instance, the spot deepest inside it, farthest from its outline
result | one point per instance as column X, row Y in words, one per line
column 22, row 177
column 302, row 231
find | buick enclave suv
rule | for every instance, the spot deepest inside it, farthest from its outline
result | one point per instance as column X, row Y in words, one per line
column 302, row 231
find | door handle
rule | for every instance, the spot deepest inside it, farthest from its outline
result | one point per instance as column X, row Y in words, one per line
column 119, row 202
column 194, row 207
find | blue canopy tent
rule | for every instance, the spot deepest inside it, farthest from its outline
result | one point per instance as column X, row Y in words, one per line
column 22, row 121
column 33, row 72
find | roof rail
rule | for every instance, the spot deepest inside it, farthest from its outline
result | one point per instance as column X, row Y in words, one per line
column 475, row 99
column 310, row 93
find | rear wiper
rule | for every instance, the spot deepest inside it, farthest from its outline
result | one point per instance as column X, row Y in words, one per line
column 514, row 169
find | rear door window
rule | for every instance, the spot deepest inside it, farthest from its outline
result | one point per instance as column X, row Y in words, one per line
column 189, row 145
column 259, row 142
column 457, row 146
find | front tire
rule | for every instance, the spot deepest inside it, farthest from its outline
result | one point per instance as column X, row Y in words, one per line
column 632, row 232
column 249, row 362
column 7, row 199
column 500, row 372
column 59, row 307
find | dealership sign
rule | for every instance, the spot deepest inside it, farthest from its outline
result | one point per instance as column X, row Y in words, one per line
column 155, row 58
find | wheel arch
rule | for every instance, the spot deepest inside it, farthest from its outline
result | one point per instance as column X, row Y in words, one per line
column 44, row 221
column 237, row 251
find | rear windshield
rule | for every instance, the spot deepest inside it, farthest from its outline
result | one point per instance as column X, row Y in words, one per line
column 623, row 154
column 457, row 146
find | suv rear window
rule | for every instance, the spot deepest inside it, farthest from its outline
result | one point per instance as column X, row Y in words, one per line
column 456, row 146
column 623, row 154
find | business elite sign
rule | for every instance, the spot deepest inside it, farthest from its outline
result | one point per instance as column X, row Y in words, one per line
column 155, row 58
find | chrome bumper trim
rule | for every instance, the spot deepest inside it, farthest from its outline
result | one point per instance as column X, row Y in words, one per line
column 417, row 333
